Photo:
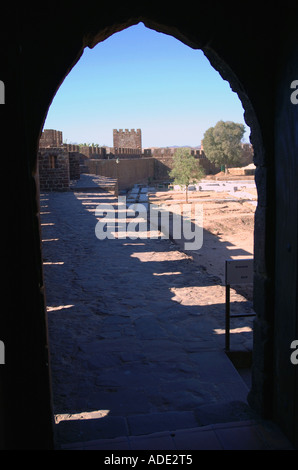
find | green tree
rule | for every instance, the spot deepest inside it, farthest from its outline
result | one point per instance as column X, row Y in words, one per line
column 185, row 169
column 222, row 143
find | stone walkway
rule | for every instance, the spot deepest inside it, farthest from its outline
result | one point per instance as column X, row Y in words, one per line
column 135, row 331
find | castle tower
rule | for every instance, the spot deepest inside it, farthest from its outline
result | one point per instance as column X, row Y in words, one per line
column 128, row 139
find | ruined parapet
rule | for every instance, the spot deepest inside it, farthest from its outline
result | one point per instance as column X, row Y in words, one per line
column 53, row 169
column 74, row 165
column 92, row 151
column 50, row 138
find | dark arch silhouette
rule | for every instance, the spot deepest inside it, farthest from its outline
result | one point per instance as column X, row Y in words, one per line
column 247, row 51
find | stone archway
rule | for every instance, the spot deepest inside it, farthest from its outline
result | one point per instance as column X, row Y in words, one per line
column 56, row 347
column 42, row 65
column 227, row 74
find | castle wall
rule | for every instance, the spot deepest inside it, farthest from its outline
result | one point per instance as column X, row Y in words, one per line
column 53, row 168
column 124, row 152
column 128, row 171
column 163, row 161
column 92, row 152
column 55, row 173
column 163, row 164
column 74, row 165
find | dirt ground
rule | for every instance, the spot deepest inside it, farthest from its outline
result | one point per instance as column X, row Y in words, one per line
column 228, row 222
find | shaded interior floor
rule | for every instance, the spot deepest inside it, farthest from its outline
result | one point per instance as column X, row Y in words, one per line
column 240, row 435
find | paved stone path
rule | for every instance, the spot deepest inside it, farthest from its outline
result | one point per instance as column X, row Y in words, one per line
column 135, row 328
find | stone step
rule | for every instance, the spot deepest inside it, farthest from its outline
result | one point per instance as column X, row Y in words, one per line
column 239, row 435
column 70, row 432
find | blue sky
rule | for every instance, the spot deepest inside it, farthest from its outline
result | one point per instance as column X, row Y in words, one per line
column 139, row 78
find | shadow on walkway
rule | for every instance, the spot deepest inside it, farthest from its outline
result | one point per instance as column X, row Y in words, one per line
column 135, row 330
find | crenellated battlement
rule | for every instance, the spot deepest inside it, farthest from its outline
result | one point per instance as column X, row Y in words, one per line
column 126, row 131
